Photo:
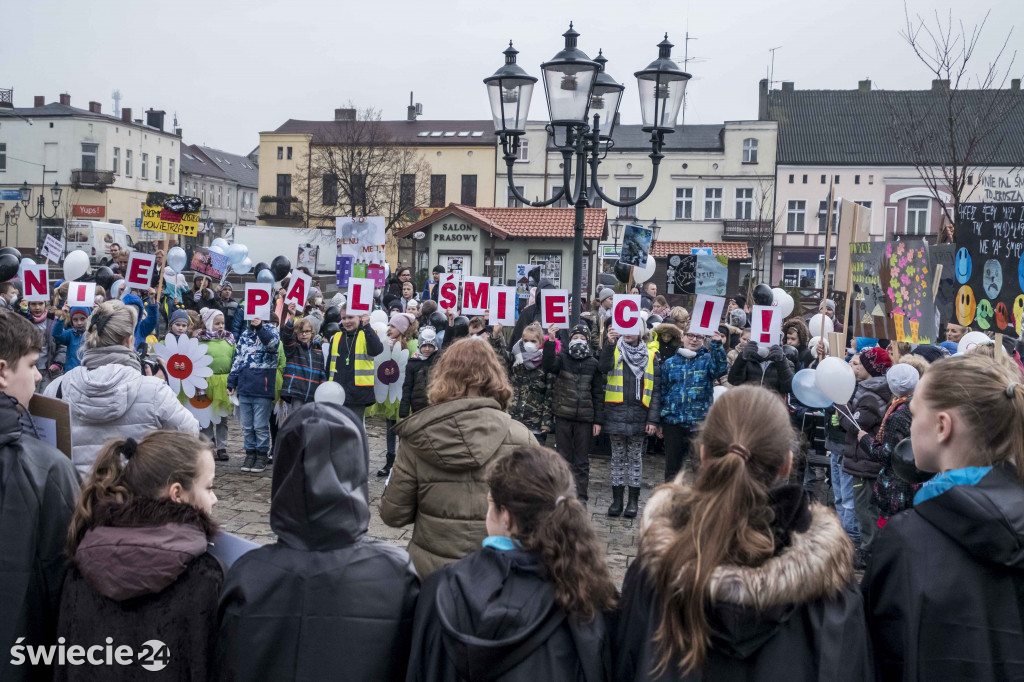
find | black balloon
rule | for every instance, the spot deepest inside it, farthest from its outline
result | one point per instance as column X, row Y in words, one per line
column 260, row 266
column 653, row 320
column 12, row 251
column 281, row 267
column 905, row 467
column 623, row 271
column 438, row 321
column 763, row 294
column 791, row 352
column 9, row 264
column 105, row 277
column 458, row 330
column 606, row 279
column 329, row 329
column 332, row 314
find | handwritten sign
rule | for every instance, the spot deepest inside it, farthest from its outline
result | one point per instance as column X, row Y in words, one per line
column 870, row 311
column 710, row 274
column 171, row 213
column 53, row 248
column 989, row 267
column 681, row 274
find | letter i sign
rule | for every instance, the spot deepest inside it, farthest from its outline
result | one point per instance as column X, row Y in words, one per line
column 707, row 314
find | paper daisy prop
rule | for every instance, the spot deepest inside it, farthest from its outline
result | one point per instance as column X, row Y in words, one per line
column 389, row 368
column 201, row 407
column 187, row 362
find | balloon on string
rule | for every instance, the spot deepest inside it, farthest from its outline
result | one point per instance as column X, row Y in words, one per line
column 236, row 253
column 9, row 266
column 26, row 263
column 265, row 277
column 330, row 329
column 971, row 340
column 244, row 267
column 904, row 465
column 76, row 264
column 381, row 328
column 177, row 259
column 330, row 392
column 819, row 325
column 378, row 316
column 220, row 243
column 783, row 301
column 12, row 251
column 645, row 272
column 115, row 289
column 805, row 388
column 763, row 294
column 261, row 266
column 812, row 345
column 281, row 267
column 835, row 379
column 217, row 249
column 623, row 271
column 104, row 277
column 332, row 314
column 439, row 321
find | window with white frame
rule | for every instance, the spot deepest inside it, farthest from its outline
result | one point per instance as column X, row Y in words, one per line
column 917, row 216
column 750, row 150
column 117, row 160
column 128, row 163
column 511, row 200
column 823, row 216
column 220, row 195
column 684, row 203
column 159, row 163
column 627, row 194
column 796, row 216
column 89, row 154
column 597, row 200
column 523, row 153
column 171, row 178
column 561, row 203
column 713, row 203
column 229, row 197
column 145, row 165
column 744, row 203
column 3, row 157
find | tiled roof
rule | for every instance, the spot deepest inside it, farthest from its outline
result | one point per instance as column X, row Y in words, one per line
column 195, row 162
column 853, row 127
column 239, row 168
column 732, row 250
column 519, row 223
column 421, row 133
column 705, row 138
column 57, row 109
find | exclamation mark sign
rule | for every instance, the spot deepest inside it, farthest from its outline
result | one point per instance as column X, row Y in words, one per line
column 705, row 318
column 766, row 326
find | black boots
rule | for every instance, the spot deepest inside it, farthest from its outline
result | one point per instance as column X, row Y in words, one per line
column 250, row 459
column 634, row 501
column 221, row 456
column 386, row 469
column 260, row 465
column 616, row 508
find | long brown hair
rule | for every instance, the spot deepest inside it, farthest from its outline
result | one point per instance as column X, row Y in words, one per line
column 469, row 365
column 989, row 395
column 159, row 460
column 536, row 487
column 726, row 519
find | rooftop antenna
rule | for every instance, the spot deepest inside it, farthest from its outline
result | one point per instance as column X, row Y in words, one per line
column 116, row 95
column 175, row 121
column 686, row 63
column 771, row 67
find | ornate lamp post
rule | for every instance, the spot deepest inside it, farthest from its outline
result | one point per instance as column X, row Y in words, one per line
column 576, row 87
column 41, row 212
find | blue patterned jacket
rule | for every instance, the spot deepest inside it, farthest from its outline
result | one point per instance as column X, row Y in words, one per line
column 688, row 385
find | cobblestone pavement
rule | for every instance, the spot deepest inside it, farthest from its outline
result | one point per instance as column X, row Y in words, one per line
column 243, row 500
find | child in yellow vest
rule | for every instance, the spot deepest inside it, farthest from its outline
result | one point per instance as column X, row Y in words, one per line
column 351, row 362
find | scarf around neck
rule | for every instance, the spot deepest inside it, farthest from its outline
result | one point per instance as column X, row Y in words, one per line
column 94, row 358
column 531, row 359
column 635, row 357
column 223, row 335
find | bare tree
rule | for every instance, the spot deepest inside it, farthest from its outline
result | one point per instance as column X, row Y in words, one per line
column 952, row 132
column 761, row 233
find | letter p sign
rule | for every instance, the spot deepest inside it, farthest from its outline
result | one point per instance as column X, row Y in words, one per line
column 257, row 301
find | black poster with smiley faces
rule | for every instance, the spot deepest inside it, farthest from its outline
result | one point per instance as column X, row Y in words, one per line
column 989, row 267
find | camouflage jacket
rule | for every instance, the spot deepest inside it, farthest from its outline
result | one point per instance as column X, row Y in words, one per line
column 533, row 390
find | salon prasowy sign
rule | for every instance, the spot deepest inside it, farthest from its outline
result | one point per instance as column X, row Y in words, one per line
column 455, row 232
column 171, row 213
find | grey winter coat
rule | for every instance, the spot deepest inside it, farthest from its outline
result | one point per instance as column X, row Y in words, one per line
column 868, row 405
column 630, row 417
column 116, row 401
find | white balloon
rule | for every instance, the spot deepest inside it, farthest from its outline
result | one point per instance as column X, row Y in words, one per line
column 972, row 339
column 381, row 329
column 379, row 316
column 76, row 264
column 177, row 258
column 718, row 392
column 115, row 289
column 816, row 324
column 783, row 301
column 644, row 273
column 220, row 243
column 813, row 345
column 330, row 392
column 835, row 379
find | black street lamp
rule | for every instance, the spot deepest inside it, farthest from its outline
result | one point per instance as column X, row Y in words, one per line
column 655, row 230
column 41, row 212
column 576, row 87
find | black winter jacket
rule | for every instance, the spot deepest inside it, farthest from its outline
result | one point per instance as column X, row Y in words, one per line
column 324, row 602
column 578, row 388
column 797, row 616
column 868, row 405
column 775, row 375
column 944, row 588
column 493, row 616
column 142, row 572
column 417, row 380
column 360, row 396
column 38, row 487
column 630, row 417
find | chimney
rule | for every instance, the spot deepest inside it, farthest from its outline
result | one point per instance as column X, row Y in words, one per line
column 65, row 99
column 1015, row 84
column 864, row 85
column 617, row 115
column 95, row 108
column 126, row 114
column 940, row 85
column 787, row 86
column 344, row 114
column 40, row 101
column 762, row 100
column 155, row 119
column 177, row 131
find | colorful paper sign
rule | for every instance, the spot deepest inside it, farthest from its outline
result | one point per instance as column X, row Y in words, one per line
column 171, row 213
column 989, row 267
column 710, row 274
column 681, row 275
column 766, row 325
column 209, row 263
column 475, row 295
column 299, row 284
column 707, row 314
column 909, row 288
column 502, row 306
column 36, row 281
column 81, row 294
column 448, row 294
column 360, row 296
column 140, row 270
column 257, row 300
column 554, row 308
column 626, row 314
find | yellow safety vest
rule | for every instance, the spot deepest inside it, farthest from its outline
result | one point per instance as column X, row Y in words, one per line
column 613, row 387
column 364, row 363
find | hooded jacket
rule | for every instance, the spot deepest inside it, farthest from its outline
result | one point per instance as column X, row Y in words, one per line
column 72, row 341
column 417, row 380
column 438, row 477
column 325, row 601
column 116, row 401
column 38, row 487
column 254, row 368
column 578, row 390
column 142, row 572
column 868, row 405
column 797, row 616
column 493, row 616
column 750, row 368
column 944, row 588
column 688, row 384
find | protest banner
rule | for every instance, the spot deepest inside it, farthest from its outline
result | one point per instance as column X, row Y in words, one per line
column 502, row 306
column 171, row 213
column 448, row 294
column 362, row 238
column 681, row 275
column 140, row 270
column 766, row 325
column 989, row 267
column 360, row 296
column 626, row 314
column 870, row 312
column 36, row 281
column 53, row 248
column 299, row 284
column 636, row 245
column 554, row 308
column 257, row 301
column 707, row 314
column 209, row 263
column 81, row 294
column 909, row 289
column 475, row 295
column 710, row 274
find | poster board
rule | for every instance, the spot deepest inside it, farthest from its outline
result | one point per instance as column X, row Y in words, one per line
column 626, row 314
column 52, row 419
column 140, row 270
column 707, row 314
column 989, row 267
column 171, row 213
column 554, row 308
column 711, row 273
column 209, row 263
column 870, row 312
column 909, row 289
column 680, row 277
column 361, row 238
column 36, row 280
column 256, row 303
column 636, row 245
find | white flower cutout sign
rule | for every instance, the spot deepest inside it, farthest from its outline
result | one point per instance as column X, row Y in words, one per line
column 201, row 407
column 187, row 363
column 389, row 368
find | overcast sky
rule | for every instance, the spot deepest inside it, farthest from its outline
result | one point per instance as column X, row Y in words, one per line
column 233, row 68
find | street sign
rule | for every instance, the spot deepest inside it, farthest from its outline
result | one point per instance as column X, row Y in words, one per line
column 10, row 195
column 700, row 251
column 138, row 223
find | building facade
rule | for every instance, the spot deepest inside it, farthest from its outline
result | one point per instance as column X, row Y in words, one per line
column 105, row 165
column 226, row 183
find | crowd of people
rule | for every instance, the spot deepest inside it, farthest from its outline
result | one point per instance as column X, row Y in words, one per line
column 750, row 549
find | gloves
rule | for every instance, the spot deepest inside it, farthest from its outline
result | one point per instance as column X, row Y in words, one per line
column 519, row 360
column 775, row 354
column 198, row 295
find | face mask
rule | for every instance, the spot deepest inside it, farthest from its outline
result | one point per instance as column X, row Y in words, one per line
column 762, row 350
column 578, row 349
column 529, row 346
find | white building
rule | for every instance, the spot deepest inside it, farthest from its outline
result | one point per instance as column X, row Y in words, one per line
column 104, row 165
column 226, row 183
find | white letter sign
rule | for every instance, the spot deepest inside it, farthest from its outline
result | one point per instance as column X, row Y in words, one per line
column 502, row 304
column 298, row 289
column 257, row 300
column 707, row 315
column 360, row 296
column 37, row 283
column 140, row 270
column 554, row 308
column 626, row 314
column 474, row 295
column 766, row 324
column 81, row 294
column 448, row 295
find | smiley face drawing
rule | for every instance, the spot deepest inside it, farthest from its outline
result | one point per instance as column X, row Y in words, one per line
column 1002, row 316
column 992, row 278
column 1018, row 313
column 962, row 265
column 966, row 305
column 984, row 316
